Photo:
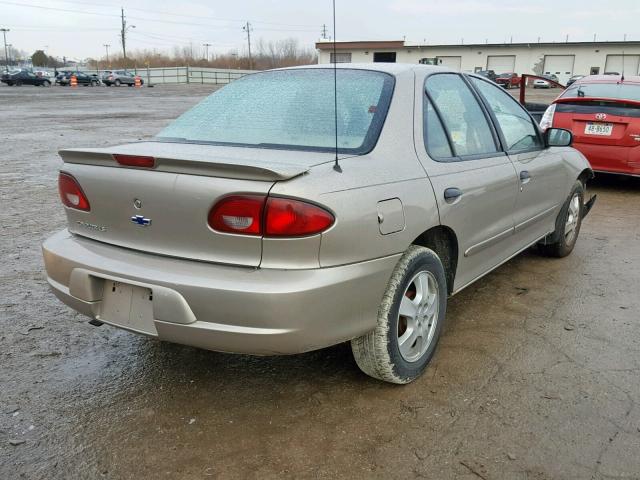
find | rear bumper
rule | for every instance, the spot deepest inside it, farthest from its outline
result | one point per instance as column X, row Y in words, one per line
column 225, row 308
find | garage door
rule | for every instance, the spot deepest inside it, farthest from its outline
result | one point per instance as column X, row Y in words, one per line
column 559, row 65
column 501, row 63
column 454, row 63
column 627, row 64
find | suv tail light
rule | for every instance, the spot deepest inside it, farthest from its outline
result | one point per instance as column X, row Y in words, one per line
column 71, row 193
column 272, row 217
column 547, row 118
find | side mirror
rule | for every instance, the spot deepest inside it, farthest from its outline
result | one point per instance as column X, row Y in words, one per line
column 558, row 137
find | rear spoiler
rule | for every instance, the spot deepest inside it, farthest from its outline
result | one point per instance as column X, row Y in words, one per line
column 187, row 159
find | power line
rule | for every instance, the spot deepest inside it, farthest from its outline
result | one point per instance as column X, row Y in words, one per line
column 146, row 19
column 173, row 14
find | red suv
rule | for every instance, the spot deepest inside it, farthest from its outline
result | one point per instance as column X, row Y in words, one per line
column 603, row 112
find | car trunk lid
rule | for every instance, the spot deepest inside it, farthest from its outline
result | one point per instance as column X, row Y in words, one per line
column 624, row 118
column 164, row 209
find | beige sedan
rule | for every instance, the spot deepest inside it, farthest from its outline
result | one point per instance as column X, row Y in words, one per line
column 263, row 221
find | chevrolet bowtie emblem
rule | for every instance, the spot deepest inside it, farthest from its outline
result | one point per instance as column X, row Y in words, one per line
column 141, row 220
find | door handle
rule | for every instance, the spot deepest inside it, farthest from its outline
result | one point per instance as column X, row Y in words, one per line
column 452, row 194
column 525, row 176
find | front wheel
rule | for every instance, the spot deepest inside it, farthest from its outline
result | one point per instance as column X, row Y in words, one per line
column 117, row 83
column 562, row 241
column 410, row 320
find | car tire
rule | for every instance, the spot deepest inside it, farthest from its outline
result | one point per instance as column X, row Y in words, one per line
column 117, row 83
column 562, row 241
column 46, row 83
column 382, row 353
column 18, row 83
column 129, row 84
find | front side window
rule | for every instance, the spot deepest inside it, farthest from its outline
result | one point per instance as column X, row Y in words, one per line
column 515, row 123
column 291, row 109
column 463, row 118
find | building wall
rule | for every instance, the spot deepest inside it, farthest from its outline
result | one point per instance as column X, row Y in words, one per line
column 475, row 56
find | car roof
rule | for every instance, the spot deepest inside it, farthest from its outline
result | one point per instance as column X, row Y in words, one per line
column 632, row 79
column 392, row 68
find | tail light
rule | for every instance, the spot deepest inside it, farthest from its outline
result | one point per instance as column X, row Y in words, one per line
column 238, row 214
column 71, row 193
column 547, row 118
column 286, row 217
column 272, row 217
column 139, row 161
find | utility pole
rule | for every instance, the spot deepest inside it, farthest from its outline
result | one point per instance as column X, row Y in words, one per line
column 247, row 28
column 6, row 52
column 206, row 46
column 123, row 33
column 323, row 33
column 106, row 47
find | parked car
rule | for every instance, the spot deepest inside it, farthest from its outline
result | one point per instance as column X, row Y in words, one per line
column 490, row 74
column 105, row 74
column 61, row 75
column 82, row 78
column 42, row 73
column 574, row 79
column 603, row 112
column 508, row 80
column 540, row 83
column 121, row 77
column 24, row 77
column 246, row 226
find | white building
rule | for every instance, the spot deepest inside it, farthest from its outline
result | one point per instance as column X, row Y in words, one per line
column 561, row 59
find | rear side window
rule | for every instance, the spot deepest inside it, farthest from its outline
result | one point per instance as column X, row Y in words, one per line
column 463, row 118
column 435, row 138
column 516, row 125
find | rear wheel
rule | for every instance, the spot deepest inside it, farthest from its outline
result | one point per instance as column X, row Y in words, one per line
column 410, row 320
column 568, row 224
column 46, row 83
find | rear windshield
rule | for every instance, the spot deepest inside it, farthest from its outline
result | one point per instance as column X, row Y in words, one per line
column 291, row 109
column 617, row 91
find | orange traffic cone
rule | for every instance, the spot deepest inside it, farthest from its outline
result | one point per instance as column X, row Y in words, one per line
column 73, row 81
column 137, row 81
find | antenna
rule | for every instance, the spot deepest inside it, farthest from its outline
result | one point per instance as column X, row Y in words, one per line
column 336, row 165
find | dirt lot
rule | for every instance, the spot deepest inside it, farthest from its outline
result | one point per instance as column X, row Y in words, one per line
column 536, row 377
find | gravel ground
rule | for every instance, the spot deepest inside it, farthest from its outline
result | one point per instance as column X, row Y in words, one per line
column 536, row 376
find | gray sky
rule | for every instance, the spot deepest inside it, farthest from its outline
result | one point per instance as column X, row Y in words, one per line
column 66, row 30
